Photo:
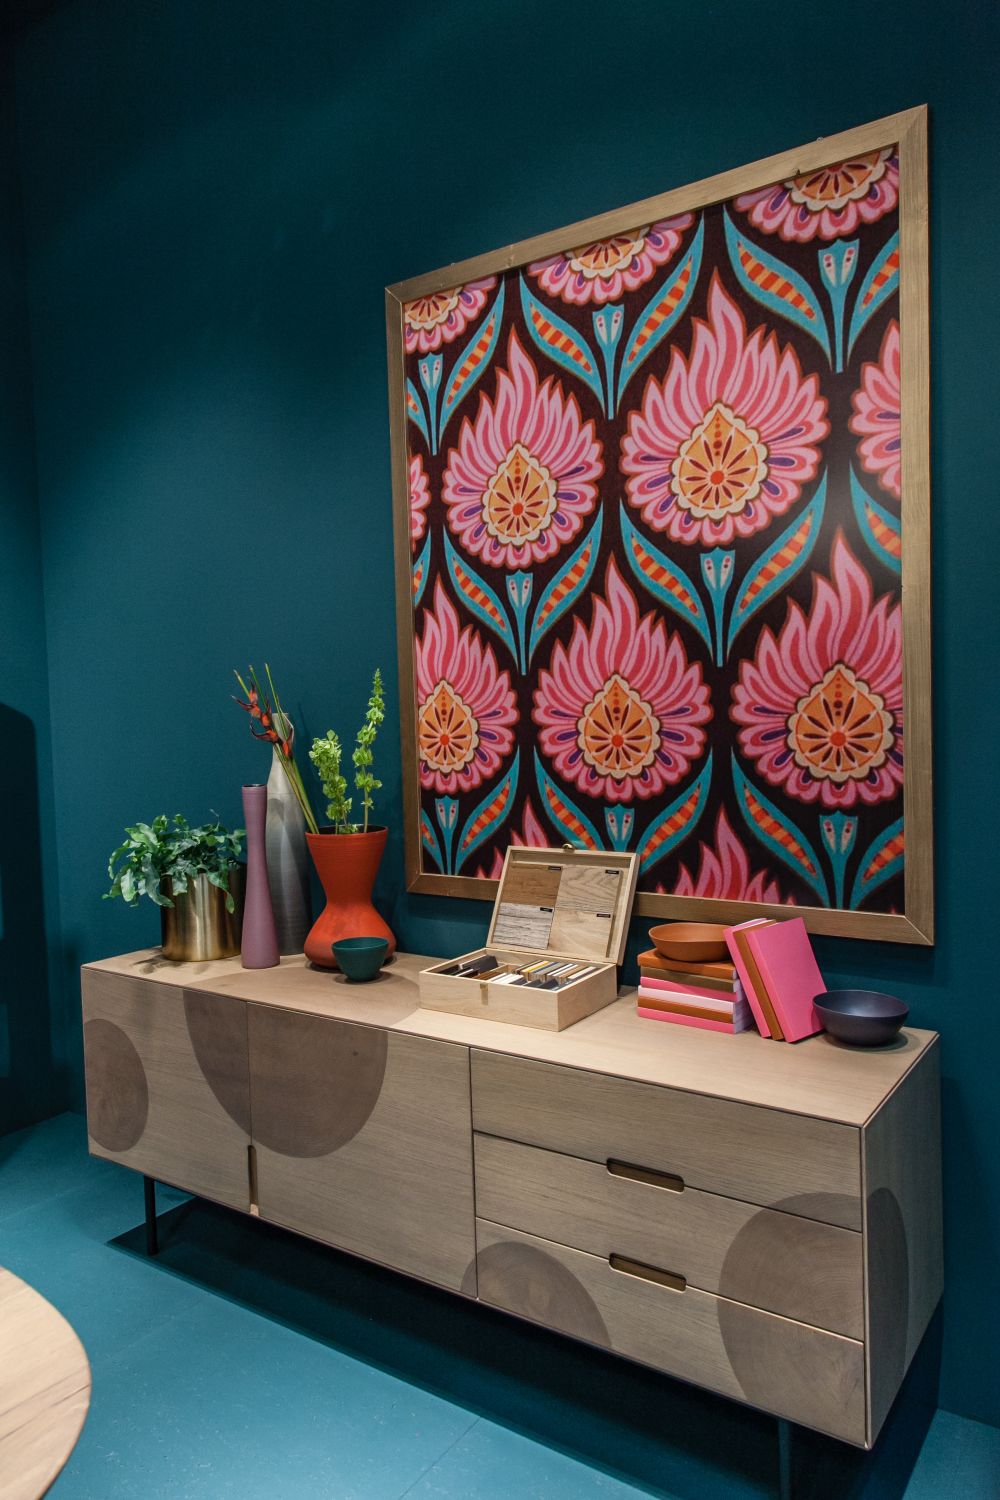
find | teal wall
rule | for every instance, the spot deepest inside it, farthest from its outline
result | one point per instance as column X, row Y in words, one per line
column 30, row 1026
column 217, row 193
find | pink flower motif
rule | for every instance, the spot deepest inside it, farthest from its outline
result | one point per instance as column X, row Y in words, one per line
column 429, row 322
column 876, row 415
column 532, row 837
column 822, row 704
column 724, row 872
column 829, row 203
column 620, row 710
column 609, row 268
column 465, row 705
column 522, row 478
column 729, row 438
column 420, row 498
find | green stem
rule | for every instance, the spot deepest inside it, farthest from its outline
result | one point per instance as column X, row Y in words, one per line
column 297, row 785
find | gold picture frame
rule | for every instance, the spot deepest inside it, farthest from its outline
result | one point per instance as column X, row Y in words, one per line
column 907, row 130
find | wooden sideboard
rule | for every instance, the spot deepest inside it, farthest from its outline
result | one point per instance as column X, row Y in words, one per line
column 761, row 1219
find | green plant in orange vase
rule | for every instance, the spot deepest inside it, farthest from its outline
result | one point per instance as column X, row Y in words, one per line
column 363, row 757
column 347, row 854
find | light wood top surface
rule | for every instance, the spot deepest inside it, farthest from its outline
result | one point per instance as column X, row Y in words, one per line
column 817, row 1077
column 44, row 1390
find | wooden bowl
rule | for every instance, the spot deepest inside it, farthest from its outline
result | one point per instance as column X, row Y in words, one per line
column 692, row 942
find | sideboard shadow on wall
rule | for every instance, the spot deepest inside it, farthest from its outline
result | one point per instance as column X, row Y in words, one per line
column 640, row 482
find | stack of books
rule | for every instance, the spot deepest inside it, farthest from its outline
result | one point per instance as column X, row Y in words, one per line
column 779, row 976
column 708, row 995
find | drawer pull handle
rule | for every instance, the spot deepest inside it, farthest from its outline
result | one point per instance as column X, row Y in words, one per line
column 647, row 1273
column 668, row 1180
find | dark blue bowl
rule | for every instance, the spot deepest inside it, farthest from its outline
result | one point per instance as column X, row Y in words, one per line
column 863, row 1018
column 360, row 958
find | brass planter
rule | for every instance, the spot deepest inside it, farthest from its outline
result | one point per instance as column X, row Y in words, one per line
column 198, row 926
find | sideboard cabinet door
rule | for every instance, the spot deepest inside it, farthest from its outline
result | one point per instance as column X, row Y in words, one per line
column 168, row 1084
column 363, row 1139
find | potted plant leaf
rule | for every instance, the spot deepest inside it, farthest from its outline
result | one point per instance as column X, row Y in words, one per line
column 193, row 875
column 346, row 853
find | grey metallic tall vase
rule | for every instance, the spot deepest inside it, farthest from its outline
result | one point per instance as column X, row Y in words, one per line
column 287, row 861
column 259, row 949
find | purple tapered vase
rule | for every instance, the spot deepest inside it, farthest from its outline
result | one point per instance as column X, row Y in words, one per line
column 259, row 949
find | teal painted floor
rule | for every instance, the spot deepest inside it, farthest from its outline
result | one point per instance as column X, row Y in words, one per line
column 247, row 1363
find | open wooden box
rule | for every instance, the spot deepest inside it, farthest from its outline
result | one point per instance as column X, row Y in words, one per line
column 552, row 903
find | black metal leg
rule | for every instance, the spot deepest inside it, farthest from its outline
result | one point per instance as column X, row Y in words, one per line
column 149, row 1193
column 784, row 1459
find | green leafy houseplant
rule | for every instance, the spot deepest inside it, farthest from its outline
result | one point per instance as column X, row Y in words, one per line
column 170, row 849
column 326, row 755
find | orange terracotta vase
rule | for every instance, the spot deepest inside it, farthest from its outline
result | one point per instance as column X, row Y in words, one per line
column 347, row 864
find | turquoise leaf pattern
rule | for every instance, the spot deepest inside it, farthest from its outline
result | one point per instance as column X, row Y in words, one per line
column 881, row 282
column 779, row 834
column 429, row 840
column 421, row 569
column 882, row 859
column 779, row 564
column 478, row 597
column 775, row 285
column 574, row 825
column 474, row 360
column 879, row 527
column 665, row 580
column 560, row 343
column 415, row 411
column 486, row 818
column 567, row 586
column 662, row 312
column 676, row 821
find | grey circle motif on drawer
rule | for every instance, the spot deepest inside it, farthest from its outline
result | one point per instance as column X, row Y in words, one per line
column 779, row 1363
column 802, row 1268
column 525, row 1280
column 315, row 1081
column 217, row 1026
column 117, row 1090
column 889, row 1275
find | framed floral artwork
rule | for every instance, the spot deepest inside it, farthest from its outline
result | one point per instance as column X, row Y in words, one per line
column 662, row 505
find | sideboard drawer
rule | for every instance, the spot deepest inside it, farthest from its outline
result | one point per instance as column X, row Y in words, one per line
column 803, row 1165
column 802, row 1373
column 797, row 1267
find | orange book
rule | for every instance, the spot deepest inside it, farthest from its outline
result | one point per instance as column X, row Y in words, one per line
column 681, row 1007
column 654, row 960
column 757, row 988
column 724, row 987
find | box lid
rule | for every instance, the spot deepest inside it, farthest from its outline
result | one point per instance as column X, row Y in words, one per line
column 573, row 903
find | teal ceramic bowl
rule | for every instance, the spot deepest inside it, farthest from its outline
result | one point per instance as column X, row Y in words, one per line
column 360, row 958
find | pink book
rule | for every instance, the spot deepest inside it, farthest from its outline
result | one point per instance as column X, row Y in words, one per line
column 678, row 1020
column 722, row 1008
column 741, row 969
column 789, row 970
column 702, row 991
